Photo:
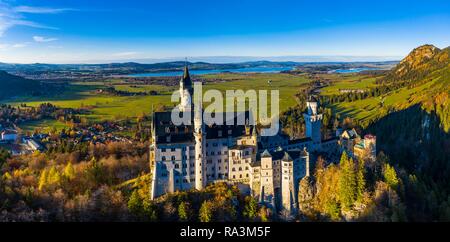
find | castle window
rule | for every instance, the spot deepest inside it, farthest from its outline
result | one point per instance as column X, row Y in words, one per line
column 163, row 158
column 234, row 169
column 240, row 168
column 163, row 150
column 173, row 157
column 240, row 176
column 184, row 165
column 219, row 161
column 246, row 168
column 234, row 176
column 172, row 149
column 246, row 175
column 177, row 166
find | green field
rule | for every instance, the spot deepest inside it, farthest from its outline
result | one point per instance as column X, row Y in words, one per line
column 44, row 125
column 108, row 107
column 350, row 82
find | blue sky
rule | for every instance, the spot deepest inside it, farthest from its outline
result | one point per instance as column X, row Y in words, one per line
column 82, row 31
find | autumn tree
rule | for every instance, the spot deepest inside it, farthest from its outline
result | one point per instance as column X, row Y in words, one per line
column 390, row 176
column 250, row 208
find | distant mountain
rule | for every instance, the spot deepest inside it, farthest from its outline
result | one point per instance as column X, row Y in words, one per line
column 11, row 86
column 133, row 67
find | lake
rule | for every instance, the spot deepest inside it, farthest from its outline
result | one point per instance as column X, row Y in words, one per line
column 353, row 70
column 203, row 72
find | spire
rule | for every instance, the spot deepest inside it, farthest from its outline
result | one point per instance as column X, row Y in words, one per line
column 186, row 79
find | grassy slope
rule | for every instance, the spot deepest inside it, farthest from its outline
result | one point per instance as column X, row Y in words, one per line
column 367, row 110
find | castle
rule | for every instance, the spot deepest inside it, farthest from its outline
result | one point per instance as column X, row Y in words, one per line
column 184, row 157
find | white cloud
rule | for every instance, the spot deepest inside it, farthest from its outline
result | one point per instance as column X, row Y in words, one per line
column 30, row 9
column 13, row 16
column 6, row 47
column 41, row 39
column 19, row 45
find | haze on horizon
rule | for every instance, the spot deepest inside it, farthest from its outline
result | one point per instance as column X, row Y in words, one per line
column 83, row 31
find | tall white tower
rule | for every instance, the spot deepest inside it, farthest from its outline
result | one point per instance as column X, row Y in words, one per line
column 313, row 121
column 200, row 143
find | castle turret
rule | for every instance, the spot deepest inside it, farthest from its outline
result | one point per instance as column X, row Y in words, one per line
column 186, row 91
column 313, row 121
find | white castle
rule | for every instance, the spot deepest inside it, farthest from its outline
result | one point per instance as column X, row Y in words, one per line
column 184, row 157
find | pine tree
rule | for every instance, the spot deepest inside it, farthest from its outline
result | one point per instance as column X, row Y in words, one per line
column 390, row 176
column 250, row 208
column 135, row 203
column 183, row 211
column 205, row 213
column 149, row 210
column 360, row 180
column 347, row 182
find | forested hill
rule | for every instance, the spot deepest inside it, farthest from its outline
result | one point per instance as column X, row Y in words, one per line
column 426, row 65
column 417, row 138
column 11, row 86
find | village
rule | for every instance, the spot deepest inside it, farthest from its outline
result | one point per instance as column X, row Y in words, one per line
column 19, row 142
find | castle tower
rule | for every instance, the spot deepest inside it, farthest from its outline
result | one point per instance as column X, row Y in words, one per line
column 200, row 145
column 288, row 193
column 304, row 157
column 313, row 121
column 186, row 91
column 267, row 191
